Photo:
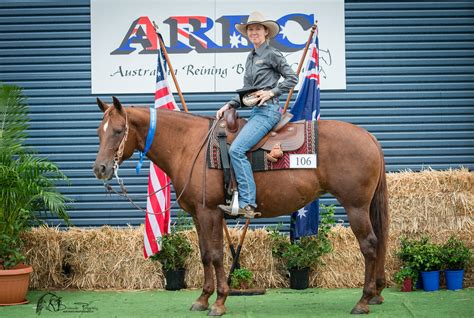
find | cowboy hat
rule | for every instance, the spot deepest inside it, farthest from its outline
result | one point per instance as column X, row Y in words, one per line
column 257, row 18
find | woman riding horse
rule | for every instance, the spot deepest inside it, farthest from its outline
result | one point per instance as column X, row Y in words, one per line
column 263, row 69
column 351, row 167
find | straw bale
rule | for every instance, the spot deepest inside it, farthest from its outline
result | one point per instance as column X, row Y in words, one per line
column 42, row 248
column 430, row 200
column 109, row 258
column 435, row 203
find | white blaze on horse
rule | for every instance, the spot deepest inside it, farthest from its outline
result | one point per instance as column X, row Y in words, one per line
column 350, row 166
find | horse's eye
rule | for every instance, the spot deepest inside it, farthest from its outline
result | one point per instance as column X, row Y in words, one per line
column 117, row 131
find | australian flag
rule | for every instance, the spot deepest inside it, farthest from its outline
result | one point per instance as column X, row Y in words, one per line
column 304, row 222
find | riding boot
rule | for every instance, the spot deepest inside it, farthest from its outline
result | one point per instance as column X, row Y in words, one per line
column 247, row 212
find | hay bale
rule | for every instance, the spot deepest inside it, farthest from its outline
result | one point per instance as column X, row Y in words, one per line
column 431, row 200
column 42, row 247
column 436, row 203
column 109, row 258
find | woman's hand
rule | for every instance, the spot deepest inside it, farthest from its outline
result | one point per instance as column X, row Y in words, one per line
column 221, row 111
column 263, row 96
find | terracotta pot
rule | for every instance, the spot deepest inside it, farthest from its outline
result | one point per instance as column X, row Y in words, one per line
column 407, row 285
column 14, row 285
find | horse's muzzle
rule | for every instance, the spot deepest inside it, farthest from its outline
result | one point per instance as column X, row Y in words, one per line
column 103, row 170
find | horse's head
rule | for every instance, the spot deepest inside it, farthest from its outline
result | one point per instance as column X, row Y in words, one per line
column 113, row 133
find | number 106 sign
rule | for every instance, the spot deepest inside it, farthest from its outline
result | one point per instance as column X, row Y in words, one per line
column 305, row 161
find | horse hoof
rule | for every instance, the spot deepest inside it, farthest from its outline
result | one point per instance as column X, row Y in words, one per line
column 216, row 311
column 197, row 306
column 377, row 300
column 359, row 311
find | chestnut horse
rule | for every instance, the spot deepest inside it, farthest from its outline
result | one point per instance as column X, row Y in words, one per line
column 350, row 166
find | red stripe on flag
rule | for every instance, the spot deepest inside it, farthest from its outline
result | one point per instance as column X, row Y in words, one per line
column 162, row 92
column 158, row 210
column 150, row 237
column 169, row 105
column 314, row 55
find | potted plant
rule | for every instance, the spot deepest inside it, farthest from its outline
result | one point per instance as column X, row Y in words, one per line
column 406, row 277
column 408, row 255
column 175, row 249
column 456, row 256
column 299, row 256
column 27, row 189
column 241, row 278
column 429, row 261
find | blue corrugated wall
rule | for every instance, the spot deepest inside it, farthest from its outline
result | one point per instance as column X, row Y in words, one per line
column 410, row 81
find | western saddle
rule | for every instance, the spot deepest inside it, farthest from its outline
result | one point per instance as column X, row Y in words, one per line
column 289, row 137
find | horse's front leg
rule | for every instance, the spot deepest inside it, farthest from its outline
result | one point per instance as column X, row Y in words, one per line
column 202, row 303
column 217, row 248
column 211, row 239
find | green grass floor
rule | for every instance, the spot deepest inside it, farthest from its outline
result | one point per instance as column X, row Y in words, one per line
column 275, row 303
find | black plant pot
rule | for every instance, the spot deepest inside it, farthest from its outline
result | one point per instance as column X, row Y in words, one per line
column 299, row 278
column 175, row 279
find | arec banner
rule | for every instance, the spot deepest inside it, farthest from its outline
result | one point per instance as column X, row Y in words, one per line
column 206, row 51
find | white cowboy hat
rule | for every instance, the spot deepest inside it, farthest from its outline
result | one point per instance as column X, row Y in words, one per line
column 257, row 18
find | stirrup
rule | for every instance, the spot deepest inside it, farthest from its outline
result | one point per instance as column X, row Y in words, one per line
column 247, row 212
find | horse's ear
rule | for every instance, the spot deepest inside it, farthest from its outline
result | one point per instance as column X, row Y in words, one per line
column 117, row 104
column 103, row 106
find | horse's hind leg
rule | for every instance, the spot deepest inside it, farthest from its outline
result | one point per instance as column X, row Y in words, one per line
column 380, row 281
column 362, row 228
column 380, row 269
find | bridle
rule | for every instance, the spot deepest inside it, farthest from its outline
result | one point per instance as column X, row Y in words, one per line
column 117, row 158
column 119, row 154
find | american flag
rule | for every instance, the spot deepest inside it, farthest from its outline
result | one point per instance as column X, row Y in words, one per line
column 157, row 220
column 304, row 222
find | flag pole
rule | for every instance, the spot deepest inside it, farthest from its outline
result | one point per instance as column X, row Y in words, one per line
column 165, row 53
column 300, row 65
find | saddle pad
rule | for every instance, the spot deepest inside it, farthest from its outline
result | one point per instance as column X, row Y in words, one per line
column 258, row 158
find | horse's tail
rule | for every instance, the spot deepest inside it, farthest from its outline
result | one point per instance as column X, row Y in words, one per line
column 379, row 216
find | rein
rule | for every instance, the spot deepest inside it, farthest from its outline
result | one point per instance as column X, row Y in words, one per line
column 118, row 156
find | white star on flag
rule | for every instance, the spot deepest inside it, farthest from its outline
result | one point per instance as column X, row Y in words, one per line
column 302, row 213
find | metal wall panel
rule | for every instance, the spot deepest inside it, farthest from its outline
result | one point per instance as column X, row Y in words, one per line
column 410, row 81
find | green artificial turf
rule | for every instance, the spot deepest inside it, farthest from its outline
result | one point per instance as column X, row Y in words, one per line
column 275, row 303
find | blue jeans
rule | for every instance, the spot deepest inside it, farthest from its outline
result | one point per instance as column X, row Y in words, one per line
column 261, row 121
